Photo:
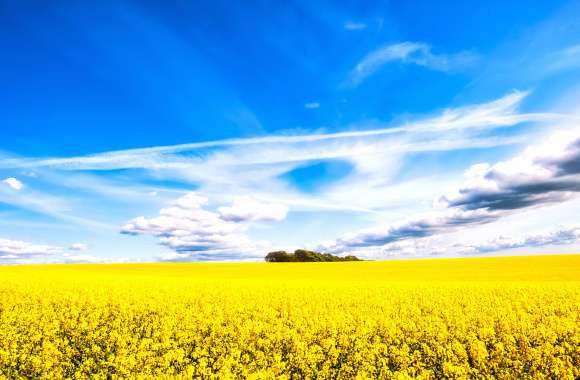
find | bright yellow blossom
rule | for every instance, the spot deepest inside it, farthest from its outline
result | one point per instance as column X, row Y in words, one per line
column 463, row 318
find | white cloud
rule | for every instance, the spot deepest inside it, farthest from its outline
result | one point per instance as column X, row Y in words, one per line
column 498, row 113
column 13, row 183
column 351, row 25
column 22, row 252
column 547, row 173
column 256, row 166
column 408, row 52
column 248, row 209
column 562, row 236
column 312, row 105
column 69, row 258
column 417, row 227
column 78, row 247
column 14, row 250
column 404, row 249
column 195, row 233
column 51, row 205
column 543, row 174
column 28, row 173
column 185, row 216
column 564, row 59
column 425, row 247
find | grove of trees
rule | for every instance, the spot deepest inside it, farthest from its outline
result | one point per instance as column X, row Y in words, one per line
column 302, row 255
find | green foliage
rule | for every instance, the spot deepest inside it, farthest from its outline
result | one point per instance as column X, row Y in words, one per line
column 302, row 255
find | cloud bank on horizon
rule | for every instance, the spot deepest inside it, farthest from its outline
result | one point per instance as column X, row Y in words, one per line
column 406, row 144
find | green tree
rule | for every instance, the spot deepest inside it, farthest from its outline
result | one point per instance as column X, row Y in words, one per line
column 303, row 255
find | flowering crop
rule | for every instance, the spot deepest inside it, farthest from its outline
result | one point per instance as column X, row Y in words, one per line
column 457, row 318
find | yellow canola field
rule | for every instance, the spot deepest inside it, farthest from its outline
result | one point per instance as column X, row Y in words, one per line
column 512, row 317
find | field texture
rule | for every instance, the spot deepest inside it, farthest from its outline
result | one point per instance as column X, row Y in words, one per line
column 461, row 318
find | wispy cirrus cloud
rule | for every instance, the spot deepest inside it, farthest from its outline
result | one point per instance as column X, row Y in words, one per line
column 48, row 204
column 352, row 25
column 416, row 53
column 564, row 59
column 499, row 113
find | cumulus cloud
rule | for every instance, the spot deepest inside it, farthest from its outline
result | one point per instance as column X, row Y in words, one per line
column 561, row 236
column 411, row 53
column 196, row 233
column 247, row 209
column 16, row 250
column 13, row 183
column 312, row 105
column 541, row 175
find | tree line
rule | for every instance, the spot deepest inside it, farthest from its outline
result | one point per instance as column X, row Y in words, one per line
column 302, row 255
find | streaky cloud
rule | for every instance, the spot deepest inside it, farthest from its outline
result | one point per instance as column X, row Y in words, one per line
column 416, row 53
column 351, row 25
column 499, row 113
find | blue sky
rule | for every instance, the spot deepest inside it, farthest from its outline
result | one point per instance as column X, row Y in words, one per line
column 184, row 131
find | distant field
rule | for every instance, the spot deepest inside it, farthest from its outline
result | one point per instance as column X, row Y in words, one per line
column 496, row 317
